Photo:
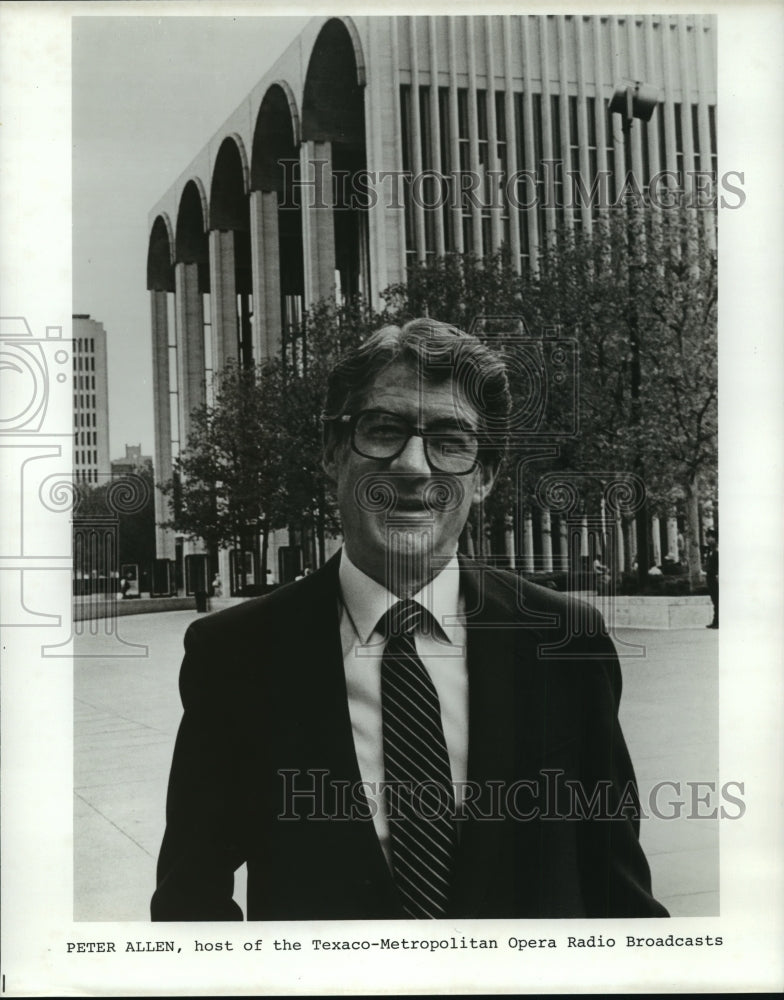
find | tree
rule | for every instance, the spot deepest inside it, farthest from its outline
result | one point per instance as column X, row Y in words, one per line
column 679, row 421
column 252, row 462
column 128, row 502
column 227, row 484
column 457, row 288
column 637, row 294
column 314, row 346
column 668, row 428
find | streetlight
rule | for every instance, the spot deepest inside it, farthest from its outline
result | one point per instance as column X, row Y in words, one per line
column 635, row 100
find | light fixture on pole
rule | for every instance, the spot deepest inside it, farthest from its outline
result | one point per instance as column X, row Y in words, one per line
column 635, row 100
column 631, row 100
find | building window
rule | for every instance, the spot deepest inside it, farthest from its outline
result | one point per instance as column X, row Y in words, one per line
column 574, row 161
column 679, row 163
column 502, row 159
column 558, row 156
column 429, row 192
column 695, row 132
column 538, row 134
column 294, row 335
column 464, row 167
column 646, row 154
column 405, row 134
column 523, row 189
column 662, row 141
column 206, row 310
column 593, row 155
column 486, row 163
column 609, row 150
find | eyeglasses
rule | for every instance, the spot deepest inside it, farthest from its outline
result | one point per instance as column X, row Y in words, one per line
column 383, row 436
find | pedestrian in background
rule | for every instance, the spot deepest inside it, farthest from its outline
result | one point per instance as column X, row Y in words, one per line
column 712, row 572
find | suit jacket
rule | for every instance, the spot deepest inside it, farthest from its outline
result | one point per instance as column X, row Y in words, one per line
column 266, row 713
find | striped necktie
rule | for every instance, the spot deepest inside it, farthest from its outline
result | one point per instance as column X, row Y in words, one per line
column 416, row 765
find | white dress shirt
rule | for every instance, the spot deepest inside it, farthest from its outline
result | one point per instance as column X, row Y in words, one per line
column 443, row 654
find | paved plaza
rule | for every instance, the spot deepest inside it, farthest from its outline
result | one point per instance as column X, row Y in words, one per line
column 127, row 710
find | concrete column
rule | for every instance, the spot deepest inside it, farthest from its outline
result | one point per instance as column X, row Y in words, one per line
column 564, row 534
column 318, row 221
column 620, row 548
column 164, row 537
column 708, row 518
column 279, row 539
column 547, row 542
column 584, row 548
column 473, row 129
column 386, row 224
column 189, row 314
column 656, row 532
column 511, row 140
column 528, row 543
column 631, row 538
column 223, row 299
column 331, row 546
column 224, row 571
column 509, row 541
column 265, row 267
column 416, row 139
column 672, row 536
column 496, row 222
column 455, row 66
column 435, row 127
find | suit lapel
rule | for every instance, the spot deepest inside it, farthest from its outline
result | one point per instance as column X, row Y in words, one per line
column 327, row 726
column 501, row 735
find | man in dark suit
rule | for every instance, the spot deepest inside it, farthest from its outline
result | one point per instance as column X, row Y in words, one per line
column 404, row 733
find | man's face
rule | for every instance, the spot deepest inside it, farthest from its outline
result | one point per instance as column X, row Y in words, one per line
column 392, row 506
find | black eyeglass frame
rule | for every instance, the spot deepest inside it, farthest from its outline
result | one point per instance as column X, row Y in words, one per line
column 352, row 420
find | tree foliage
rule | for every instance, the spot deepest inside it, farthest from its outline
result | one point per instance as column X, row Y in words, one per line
column 128, row 499
column 227, row 484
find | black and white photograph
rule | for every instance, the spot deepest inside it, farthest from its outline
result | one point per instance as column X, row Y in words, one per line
column 367, row 557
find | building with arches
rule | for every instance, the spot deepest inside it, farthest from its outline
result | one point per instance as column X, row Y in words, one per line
column 376, row 141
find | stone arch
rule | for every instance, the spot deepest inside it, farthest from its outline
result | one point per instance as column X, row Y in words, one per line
column 160, row 255
column 333, row 120
column 275, row 138
column 191, row 232
column 359, row 55
column 278, row 215
column 229, row 187
column 332, row 104
column 230, row 256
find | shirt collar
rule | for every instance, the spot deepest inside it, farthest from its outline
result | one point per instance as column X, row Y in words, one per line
column 366, row 600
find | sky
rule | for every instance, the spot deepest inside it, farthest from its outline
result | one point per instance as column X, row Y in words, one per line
column 147, row 94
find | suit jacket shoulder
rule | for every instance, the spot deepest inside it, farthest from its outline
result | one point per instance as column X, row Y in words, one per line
column 237, row 637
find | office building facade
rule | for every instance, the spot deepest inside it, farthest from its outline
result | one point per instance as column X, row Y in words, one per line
column 91, row 402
